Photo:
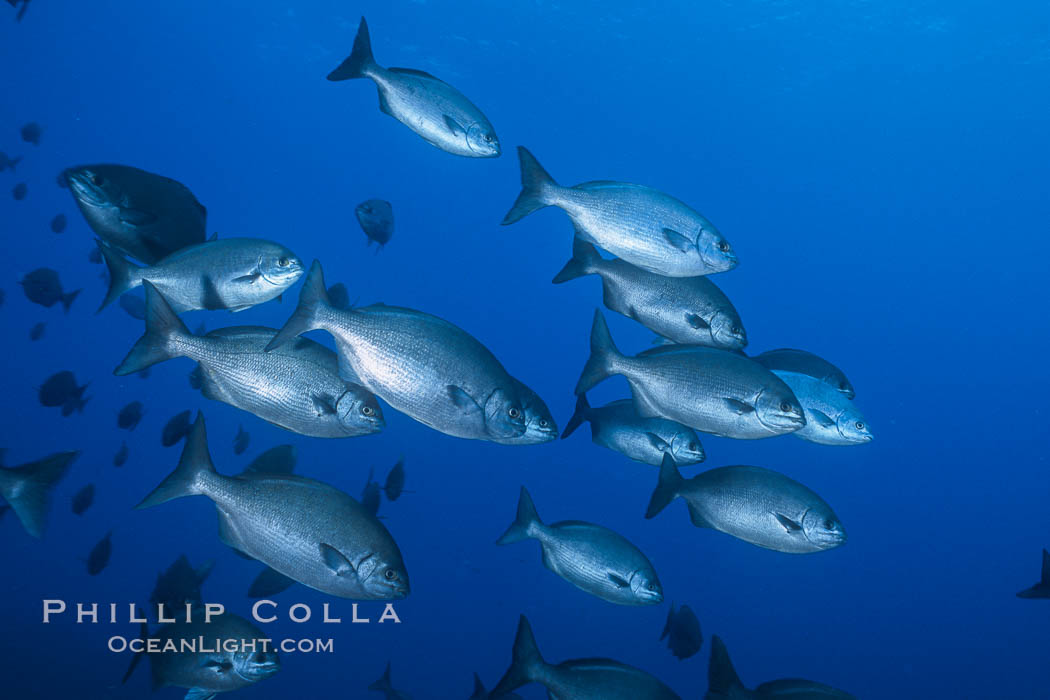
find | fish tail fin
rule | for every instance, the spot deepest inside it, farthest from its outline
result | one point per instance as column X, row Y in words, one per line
column 163, row 326
column 583, row 260
column 524, row 523
column 722, row 679
column 383, row 685
column 360, row 59
column 313, row 302
column 479, row 687
column 123, row 274
column 667, row 487
column 667, row 625
column 526, row 662
column 21, row 14
column 194, row 464
column 27, row 489
column 583, row 409
column 68, row 298
column 602, row 362
column 143, row 635
column 536, row 188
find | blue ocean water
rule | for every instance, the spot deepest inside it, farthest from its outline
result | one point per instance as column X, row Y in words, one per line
column 881, row 169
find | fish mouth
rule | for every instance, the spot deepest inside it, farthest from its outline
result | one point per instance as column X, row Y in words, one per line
column 691, row 457
column 80, row 183
column 651, row 597
column 260, row 670
column 791, row 421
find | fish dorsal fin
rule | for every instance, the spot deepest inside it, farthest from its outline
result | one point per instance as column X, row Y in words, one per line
column 696, row 322
column 618, row 581
column 822, row 418
column 199, row 694
column 335, row 560
column 791, row 526
column 738, row 407
column 415, row 72
column 1045, row 580
column 678, row 240
column 455, row 127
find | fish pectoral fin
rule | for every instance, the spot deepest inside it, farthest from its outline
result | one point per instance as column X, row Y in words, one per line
column 199, row 694
column 696, row 322
column 657, row 442
column 738, row 407
column 618, row 581
column 335, row 560
column 136, row 217
column 462, row 399
column 823, row 418
column 324, row 404
column 788, row 524
column 678, row 240
column 455, row 127
column 219, row 667
column 250, row 278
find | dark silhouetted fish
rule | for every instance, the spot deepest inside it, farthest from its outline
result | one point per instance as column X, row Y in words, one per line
column 60, row 389
column 7, row 163
column 386, row 687
column 83, row 499
column 147, row 216
column 20, row 191
column 269, row 583
column 724, row 683
column 31, row 133
column 481, row 694
column 241, row 440
column 42, row 286
column 98, row 559
column 121, row 457
column 179, row 584
column 175, row 429
column 135, row 305
column 1041, row 589
column 682, row 632
column 276, row 460
column 790, row 360
column 370, row 496
column 27, row 488
column 95, row 256
column 376, row 217
column 37, row 331
column 339, row 297
column 58, row 224
column 130, row 415
column 395, row 481
column 433, row 109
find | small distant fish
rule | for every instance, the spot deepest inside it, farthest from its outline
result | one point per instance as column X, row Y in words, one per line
column 276, row 460
column 591, row 557
column 639, row 225
column 37, row 331
column 682, row 632
column 61, row 389
column 1041, row 589
column 395, row 481
column 724, row 683
column 58, row 224
column 431, row 108
column 385, row 686
column 376, row 217
column 27, row 488
column 134, row 305
column 20, row 191
column 83, row 499
column 61, row 181
column 790, row 360
column 121, row 457
column 130, row 415
column 179, row 584
column 145, row 215
column 370, row 496
column 831, row 418
column 7, row 163
column 339, row 297
column 240, row 441
column 31, row 132
column 42, row 286
column 175, row 429
column 269, row 583
column 98, row 559
column 144, row 373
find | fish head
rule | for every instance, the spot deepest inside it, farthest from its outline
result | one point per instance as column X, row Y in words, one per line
column 779, row 410
column 385, row 578
column 256, row 665
column 714, row 249
column 822, row 528
column 646, row 587
column 539, row 423
column 852, row 426
column 728, row 331
column 279, row 266
column 93, row 187
column 481, row 138
column 686, row 448
column 358, row 410
column 504, row 416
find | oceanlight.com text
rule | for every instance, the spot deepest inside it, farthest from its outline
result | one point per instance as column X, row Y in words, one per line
column 204, row 645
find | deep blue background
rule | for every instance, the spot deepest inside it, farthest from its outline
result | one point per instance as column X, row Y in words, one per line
column 880, row 167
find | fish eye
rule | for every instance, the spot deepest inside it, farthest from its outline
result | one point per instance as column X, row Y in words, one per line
column 513, row 413
column 829, row 524
column 488, row 138
column 785, row 406
column 389, row 574
column 860, row 425
column 284, row 262
column 543, row 422
column 98, row 180
column 651, row 586
column 723, row 246
column 737, row 330
column 367, row 410
column 693, row 446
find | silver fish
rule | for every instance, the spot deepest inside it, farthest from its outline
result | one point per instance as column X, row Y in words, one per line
column 435, row 110
column 618, row 427
column 707, row 389
column 724, row 683
column 680, row 309
column 297, row 387
column 27, row 488
column 540, row 426
column 577, row 679
column 233, row 273
column 831, row 418
column 210, row 668
column 637, row 224
column 591, row 557
column 304, row 529
column 147, row 216
column 754, row 504
column 803, row 362
column 421, row 365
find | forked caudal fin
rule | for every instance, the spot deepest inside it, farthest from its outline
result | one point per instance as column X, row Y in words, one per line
column 722, row 679
column 162, row 327
column 527, row 519
column 383, row 685
column 313, row 302
column 667, row 487
column 360, row 59
column 584, row 261
column 27, row 488
column 123, row 274
column 526, row 663
column 579, row 417
column 536, row 188
column 194, row 464
column 601, row 364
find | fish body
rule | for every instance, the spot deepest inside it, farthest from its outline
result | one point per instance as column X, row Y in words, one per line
column 753, row 504
column 682, row 632
column 376, row 217
column 19, row 191
column 98, row 558
column 27, row 488
column 43, row 287
column 422, row 365
column 276, row 460
column 430, row 107
column 129, row 417
column 58, row 224
column 241, row 440
column 371, row 495
column 83, row 499
column 121, row 456
column 61, row 390
column 37, row 331
column 803, row 362
column 175, row 429
column 831, row 418
column 179, row 584
column 618, row 427
column 304, row 529
column 8, row 163
column 680, row 309
column 395, row 481
column 31, row 133
column 145, row 215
